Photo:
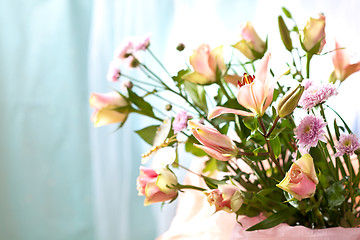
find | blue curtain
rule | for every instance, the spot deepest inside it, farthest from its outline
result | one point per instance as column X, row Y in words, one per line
column 45, row 165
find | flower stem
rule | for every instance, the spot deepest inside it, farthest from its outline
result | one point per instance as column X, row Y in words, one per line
column 308, row 58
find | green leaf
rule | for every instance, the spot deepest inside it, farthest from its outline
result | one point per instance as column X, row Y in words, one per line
column 189, row 147
column 144, row 107
column 286, row 12
column 250, row 123
column 197, row 94
column 213, row 183
column 274, row 219
column 276, row 146
column 335, row 194
column 276, row 132
column 148, row 133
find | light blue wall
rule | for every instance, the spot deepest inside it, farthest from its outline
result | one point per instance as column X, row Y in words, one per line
column 45, row 167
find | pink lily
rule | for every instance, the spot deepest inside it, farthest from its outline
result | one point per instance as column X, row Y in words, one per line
column 255, row 93
column 215, row 144
column 342, row 65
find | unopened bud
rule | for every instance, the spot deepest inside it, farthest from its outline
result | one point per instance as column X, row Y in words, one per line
column 289, row 102
column 168, row 107
column 180, row 47
column 134, row 63
column 285, row 34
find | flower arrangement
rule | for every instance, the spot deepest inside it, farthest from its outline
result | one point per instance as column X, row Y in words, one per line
column 304, row 166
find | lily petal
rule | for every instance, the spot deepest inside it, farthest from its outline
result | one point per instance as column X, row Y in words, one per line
column 217, row 111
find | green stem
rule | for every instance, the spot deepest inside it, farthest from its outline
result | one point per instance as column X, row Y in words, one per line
column 270, row 150
column 308, row 58
column 159, row 62
column 273, row 126
column 317, row 212
column 223, row 89
column 179, row 186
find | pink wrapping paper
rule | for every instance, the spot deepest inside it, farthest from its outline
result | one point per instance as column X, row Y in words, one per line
column 195, row 220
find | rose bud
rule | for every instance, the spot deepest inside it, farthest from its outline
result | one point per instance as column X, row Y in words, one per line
column 106, row 108
column 300, row 181
column 313, row 33
column 207, row 65
column 251, row 45
column 227, row 197
column 157, row 186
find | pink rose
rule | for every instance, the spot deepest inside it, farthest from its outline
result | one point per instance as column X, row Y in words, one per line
column 251, row 45
column 156, row 186
column 227, row 197
column 215, row 144
column 206, row 63
column 314, row 31
column 300, row 181
column 105, row 108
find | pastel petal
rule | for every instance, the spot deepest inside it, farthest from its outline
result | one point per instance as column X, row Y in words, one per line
column 217, row 111
column 198, row 78
column 215, row 154
column 246, row 98
column 263, row 68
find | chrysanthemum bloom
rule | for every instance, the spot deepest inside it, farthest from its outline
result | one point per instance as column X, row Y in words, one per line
column 309, row 132
column 347, row 144
column 307, row 83
column 114, row 71
column 180, row 121
column 316, row 94
column 142, row 43
column 125, row 49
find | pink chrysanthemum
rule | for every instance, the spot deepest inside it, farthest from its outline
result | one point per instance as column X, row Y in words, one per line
column 113, row 72
column 180, row 121
column 125, row 49
column 143, row 43
column 309, row 132
column 347, row 144
column 315, row 95
column 307, row 83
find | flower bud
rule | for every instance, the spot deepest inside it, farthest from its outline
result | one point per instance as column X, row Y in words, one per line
column 289, row 102
column 250, row 44
column 227, row 197
column 285, row 34
column 168, row 107
column 180, row 47
column 313, row 37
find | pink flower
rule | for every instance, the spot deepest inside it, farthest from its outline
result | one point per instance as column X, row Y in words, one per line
column 313, row 33
column 142, row 43
column 343, row 68
column 347, row 144
column 106, row 106
column 114, row 71
column 157, row 186
column 255, row 93
column 126, row 85
column 207, row 65
column 309, row 132
column 316, row 94
column 251, row 45
column 215, row 144
column 180, row 121
column 300, row 181
column 227, row 197
column 307, row 83
column 125, row 49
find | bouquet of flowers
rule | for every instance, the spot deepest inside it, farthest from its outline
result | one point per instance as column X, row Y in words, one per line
column 267, row 132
